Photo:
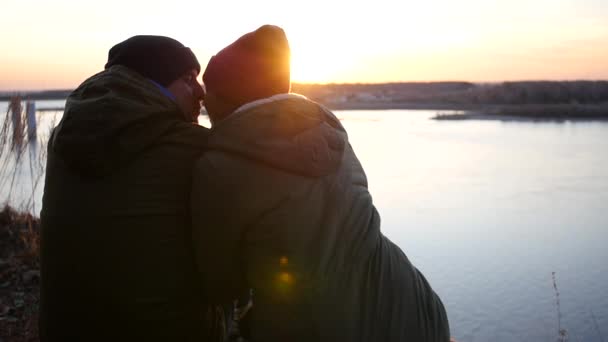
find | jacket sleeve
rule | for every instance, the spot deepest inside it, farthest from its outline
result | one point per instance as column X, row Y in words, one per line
column 216, row 232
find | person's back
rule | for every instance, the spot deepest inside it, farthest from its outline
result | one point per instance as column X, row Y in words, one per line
column 116, row 256
column 281, row 205
column 284, row 208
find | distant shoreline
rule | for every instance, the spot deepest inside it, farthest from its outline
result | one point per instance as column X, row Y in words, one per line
column 399, row 105
column 536, row 101
column 532, row 112
column 473, row 116
column 445, row 112
column 61, row 94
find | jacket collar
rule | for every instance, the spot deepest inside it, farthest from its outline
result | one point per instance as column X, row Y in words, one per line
column 260, row 102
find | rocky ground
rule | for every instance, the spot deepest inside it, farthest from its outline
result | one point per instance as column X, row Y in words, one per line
column 19, row 276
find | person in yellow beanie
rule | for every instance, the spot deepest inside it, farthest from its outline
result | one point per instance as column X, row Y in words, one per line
column 283, row 220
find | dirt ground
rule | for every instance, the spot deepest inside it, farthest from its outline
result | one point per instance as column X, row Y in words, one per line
column 19, row 276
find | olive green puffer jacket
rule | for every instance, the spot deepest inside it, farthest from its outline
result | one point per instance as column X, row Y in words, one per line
column 116, row 259
column 281, row 196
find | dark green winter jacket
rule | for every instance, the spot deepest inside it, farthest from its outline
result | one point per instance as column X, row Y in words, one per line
column 281, row 196
column 116, row 259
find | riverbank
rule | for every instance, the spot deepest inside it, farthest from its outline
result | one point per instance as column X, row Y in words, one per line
column 520, row 96
column 500, row 112
column 19, row 276
column 536, row 112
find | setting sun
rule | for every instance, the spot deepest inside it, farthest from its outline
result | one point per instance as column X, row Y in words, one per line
column 332, row 42
column 307, row 66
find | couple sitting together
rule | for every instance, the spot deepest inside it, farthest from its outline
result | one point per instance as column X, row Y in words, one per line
column 261, row 228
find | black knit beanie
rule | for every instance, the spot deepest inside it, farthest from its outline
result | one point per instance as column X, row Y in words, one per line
column 161, row 59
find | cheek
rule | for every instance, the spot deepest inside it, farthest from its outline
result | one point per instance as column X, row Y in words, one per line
column 192, row 94
column 186, row 91
column 186, row 95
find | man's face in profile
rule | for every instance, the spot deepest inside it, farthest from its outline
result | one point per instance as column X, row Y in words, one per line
column 188, row 94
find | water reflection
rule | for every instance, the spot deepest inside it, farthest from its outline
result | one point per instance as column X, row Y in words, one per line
column 488, row 210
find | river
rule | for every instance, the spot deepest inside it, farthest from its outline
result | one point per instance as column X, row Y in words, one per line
column 487, row 210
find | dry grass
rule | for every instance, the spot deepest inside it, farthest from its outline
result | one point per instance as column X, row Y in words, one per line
column 562, row 334
column 22, row 166
column 22, row 163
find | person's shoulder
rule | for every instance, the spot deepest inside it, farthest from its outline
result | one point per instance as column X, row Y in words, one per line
column 235, row 169
column 220, row 173
column 221, row 162
column 187, row 134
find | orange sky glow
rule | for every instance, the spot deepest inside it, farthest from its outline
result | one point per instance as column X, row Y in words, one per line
column 58, row 44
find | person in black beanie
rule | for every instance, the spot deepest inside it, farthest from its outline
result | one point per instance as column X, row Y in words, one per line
column 168, row 63
column 116, row 256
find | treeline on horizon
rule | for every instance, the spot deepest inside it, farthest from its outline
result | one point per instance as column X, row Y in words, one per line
column 456, row 93
column 462, row 93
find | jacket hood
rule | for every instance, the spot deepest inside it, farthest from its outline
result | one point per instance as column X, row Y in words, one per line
column 110, row 118
column 285, row 131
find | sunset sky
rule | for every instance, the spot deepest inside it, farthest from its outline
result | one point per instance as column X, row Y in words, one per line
column 58, row 44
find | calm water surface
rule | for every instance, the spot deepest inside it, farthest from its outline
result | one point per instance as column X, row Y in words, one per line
column 487, row 210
